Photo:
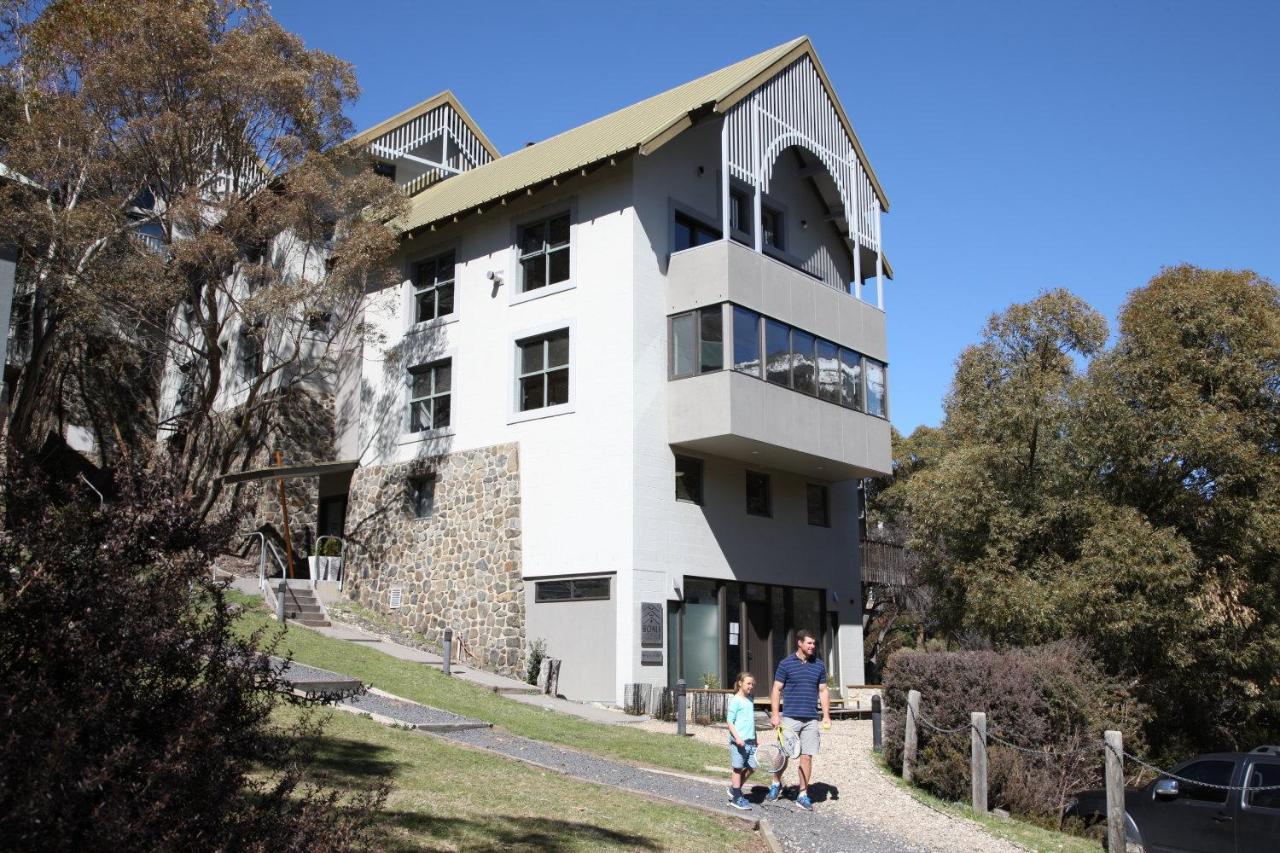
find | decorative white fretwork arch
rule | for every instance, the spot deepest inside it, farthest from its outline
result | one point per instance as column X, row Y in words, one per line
column 794, row 108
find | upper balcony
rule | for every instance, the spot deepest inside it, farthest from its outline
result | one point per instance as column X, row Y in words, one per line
column 771, row 367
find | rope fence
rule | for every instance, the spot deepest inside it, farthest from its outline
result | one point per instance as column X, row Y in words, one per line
column 1110, row 748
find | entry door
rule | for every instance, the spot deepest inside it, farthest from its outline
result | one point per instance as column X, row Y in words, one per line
column 756, row 640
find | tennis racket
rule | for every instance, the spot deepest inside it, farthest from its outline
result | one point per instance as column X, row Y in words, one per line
column 773, row 757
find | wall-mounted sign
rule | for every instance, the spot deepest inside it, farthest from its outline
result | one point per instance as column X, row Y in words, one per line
column 650, row 657
column 650, row 624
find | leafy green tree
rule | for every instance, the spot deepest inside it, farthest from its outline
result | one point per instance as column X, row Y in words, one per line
column 1127, row 497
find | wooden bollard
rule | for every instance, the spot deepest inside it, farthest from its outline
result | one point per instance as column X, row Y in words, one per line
column 1115, row 789
column 978, row 761
column 909, row 737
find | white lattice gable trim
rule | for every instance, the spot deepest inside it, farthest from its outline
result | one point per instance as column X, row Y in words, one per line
column 796, row 107
column 428, row 142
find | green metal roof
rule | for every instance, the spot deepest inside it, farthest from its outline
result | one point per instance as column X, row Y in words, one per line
column 643, row 126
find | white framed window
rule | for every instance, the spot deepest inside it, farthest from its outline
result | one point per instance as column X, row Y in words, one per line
column 542, row 379
column 430, row 396
column 545, row 253
column 433, row 282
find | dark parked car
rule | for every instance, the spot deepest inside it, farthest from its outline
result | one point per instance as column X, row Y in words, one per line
column 1168, row 815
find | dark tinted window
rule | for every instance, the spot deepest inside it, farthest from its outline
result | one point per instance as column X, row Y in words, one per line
column 1264, row 776
column 746, row 341
column 689, row 232
column 1210, row 772
column 758, row 502
column 689, row 479
column 816, row 500
column 577, row 589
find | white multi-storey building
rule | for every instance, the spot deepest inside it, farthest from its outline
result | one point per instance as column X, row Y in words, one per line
column 625, row 392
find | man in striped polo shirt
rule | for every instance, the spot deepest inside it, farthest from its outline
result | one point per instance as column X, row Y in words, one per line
column 800, row 684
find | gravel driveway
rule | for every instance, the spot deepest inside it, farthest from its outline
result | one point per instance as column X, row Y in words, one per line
column 863, row 793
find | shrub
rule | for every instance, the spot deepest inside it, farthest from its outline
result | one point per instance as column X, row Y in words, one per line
column 533, row 665
column 135, row 718
column 1051, row 698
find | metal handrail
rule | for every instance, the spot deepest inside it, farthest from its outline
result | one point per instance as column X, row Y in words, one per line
column 262, row 559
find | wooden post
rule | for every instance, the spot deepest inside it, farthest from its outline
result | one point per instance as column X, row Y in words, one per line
column 284, row 509
column 1115, row 789
column 978, row 761
column 909, row 737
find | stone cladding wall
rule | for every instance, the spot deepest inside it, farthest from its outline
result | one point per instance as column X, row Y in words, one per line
column 459, row 567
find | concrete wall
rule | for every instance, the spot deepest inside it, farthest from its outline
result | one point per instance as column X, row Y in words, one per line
column 716, row 540
column 582, row 634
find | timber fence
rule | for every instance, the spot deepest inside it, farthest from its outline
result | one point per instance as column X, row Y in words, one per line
column 1110, row 749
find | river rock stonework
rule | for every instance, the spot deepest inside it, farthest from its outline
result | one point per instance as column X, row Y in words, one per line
column 459, row 566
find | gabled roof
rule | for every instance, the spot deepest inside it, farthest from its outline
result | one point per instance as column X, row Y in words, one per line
column 642, row 127
column 364, row 137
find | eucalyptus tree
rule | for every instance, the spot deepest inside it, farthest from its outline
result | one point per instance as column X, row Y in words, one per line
column 185, row 202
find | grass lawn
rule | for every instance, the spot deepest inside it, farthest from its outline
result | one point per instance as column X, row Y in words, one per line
column 446, row 797
column 1029, row 835
column 431, row 687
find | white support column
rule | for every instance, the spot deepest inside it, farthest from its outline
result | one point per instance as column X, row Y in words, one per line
column 853, row 214
column 879, row 262
column 724, row 178
column 757, row 172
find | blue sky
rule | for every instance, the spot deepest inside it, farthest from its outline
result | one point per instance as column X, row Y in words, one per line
column 1023, row 145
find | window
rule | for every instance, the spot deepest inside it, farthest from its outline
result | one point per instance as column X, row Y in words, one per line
column 1264, row 776
column 1212, row 772
column 430, row 387
column 741, row 211
column 319, row 321
column 544, row 371
column 574, row 589
column 746, row 341
column 689, row 479
column 433, row 288
column 697, row 341
column 385, row 170
column 422, row 496
column 249, row 352
column 803, row 368
column 817, row 505
column 758, row 498
column 777, row 349
column 689, row 232
column 544, row 252
column 828, row 371
column 771, row 228
column 876, row 402
column 850, row 379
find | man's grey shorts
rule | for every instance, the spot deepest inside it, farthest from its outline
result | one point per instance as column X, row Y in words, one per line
column 806, row 731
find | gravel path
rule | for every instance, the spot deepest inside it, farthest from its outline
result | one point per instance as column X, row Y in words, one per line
column 823, row 830
column 848, row 784
column 413, row 714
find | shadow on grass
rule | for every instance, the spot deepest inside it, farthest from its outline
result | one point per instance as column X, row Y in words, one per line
column 497, row 832
column 353, row 760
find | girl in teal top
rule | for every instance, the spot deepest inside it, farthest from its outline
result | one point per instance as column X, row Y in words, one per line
column 741, row 717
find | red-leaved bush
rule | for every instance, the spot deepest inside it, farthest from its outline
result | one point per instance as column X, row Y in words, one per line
column 133, row 717
column 1053, row 700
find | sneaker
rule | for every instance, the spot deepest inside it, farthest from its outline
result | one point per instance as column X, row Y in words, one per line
column 741, row 804
column 804, row 802
column 774, row 790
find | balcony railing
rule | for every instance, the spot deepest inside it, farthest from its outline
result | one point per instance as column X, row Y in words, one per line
column 885, row 563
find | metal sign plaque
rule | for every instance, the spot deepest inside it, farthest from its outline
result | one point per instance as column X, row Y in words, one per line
column 650, row 657
column 650, row 624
